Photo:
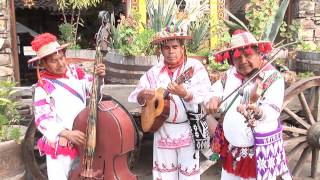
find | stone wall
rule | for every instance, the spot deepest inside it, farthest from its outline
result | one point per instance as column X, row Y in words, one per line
column 307, row 13
column 6, row 60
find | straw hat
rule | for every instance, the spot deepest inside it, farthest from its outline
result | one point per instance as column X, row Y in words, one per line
column 45, row 44
column 170, row 33
column 245, row 41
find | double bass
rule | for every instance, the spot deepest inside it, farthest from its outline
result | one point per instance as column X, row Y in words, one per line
column 110, row 136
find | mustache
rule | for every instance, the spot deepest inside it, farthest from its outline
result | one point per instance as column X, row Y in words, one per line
column 243, row 65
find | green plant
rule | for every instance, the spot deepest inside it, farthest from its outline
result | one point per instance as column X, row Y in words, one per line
column 129, row 39
column 161, row 13
column 307, row 46
column 74, row 8
column 200, row 34
column 222, row 31
column 289, row 32
column 67, row 32
column 9, row 116
column 304, row 75
column 264, row 17
column 216, row 66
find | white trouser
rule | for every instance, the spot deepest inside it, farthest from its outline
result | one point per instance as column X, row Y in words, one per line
column 176, row 164
column 58, row 169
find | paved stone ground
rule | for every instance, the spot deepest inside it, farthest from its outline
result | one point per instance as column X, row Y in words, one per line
column 144, row 165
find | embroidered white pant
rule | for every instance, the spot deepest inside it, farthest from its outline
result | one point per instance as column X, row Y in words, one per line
column 176, row 164
column 58, row 169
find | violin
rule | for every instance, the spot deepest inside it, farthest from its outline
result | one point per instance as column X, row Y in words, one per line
column 248, row 107
column 254, row 74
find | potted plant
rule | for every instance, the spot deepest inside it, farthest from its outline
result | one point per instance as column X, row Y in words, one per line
column 198, row 47
column 11, row 133
column 131, row 53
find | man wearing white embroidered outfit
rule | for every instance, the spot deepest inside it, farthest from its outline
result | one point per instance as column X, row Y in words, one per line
column 241, row 150
column 174, row 155
column 59, row 96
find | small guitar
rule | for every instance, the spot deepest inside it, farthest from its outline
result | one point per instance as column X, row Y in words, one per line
column 157, row 109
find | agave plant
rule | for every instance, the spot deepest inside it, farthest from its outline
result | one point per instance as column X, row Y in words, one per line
column 161, row 13
column 164, row 12
column 270, row 30
column 199, row 31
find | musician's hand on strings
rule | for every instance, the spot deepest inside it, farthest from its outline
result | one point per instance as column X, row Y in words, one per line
column 101, row 70
column 75, row 136
column 255, row 110
column 176, row 89
column 213, row 105
column 242, row 109
column 251, row 112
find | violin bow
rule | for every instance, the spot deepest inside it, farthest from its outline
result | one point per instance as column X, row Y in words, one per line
column 255, row 74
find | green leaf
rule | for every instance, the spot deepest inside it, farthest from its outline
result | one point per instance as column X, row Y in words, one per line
column 237, row 20
column 271, row 31
column 231, row 25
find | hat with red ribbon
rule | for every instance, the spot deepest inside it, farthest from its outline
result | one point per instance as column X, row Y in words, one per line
column 242, row 42
column 45, row 44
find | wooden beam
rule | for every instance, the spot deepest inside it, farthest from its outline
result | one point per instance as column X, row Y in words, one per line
column 314, row 162
column 306, row 107
column 14, row 46
column 305, row 154
column 296, row 117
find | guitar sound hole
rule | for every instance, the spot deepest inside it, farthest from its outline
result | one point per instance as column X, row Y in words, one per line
column 156, row 103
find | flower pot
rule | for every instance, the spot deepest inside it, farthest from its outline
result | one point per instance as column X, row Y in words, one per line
column 308, row 61
column 126, row 69
column 11, row 163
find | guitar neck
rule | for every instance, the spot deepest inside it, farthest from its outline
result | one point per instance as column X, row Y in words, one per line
column 180, row 79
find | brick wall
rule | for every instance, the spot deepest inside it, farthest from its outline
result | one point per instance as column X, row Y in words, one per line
column 6, row 63
column 307, row 13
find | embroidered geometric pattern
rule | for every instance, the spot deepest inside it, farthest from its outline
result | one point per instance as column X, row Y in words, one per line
column 164, row 168
column 172, row 168
column 194, row 171
column 270, row 155
column 268, row 82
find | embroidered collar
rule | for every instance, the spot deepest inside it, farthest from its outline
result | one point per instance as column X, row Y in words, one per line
column 48, row 75
column 167, row 69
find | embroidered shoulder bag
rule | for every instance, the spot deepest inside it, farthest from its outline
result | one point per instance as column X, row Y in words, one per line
column 199, row 128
